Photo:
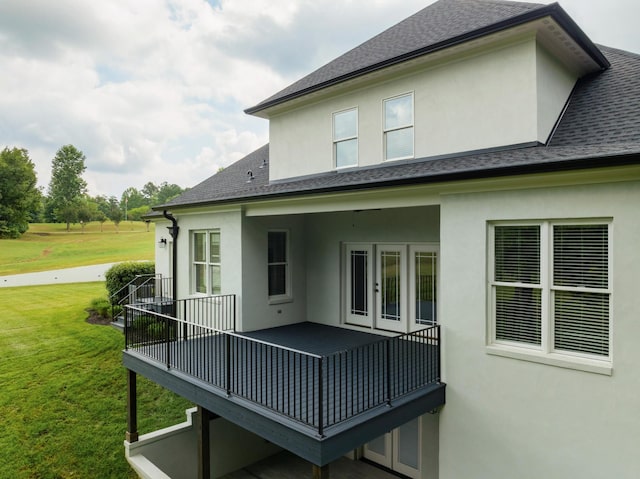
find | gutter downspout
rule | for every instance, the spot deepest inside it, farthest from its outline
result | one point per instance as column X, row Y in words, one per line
column 173, row 231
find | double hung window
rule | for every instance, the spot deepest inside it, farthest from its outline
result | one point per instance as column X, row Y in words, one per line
column 398, row 127
column 345, row 138
column 550, row 288
column 206, row 271
column 278, row 265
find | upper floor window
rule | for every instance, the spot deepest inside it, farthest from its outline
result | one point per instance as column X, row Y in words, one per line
column 398, row 127
column 345, row 138
column 206, row 277
column 278, row 266
column 550, row 288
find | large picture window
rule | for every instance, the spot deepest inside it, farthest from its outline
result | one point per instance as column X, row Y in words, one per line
column 345, row 138
column 398, row 127
column 550, row 288
column 278, row 265
column 206, row 271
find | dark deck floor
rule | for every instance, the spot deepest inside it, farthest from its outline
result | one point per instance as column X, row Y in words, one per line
column 315, row 338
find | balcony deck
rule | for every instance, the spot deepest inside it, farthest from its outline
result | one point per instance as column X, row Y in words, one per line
column 316, row 390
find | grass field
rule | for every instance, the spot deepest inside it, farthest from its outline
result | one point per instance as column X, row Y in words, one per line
column 63, row 388
column 49, row 246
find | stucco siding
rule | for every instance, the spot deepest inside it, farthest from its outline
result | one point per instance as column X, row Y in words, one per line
column 258, row 312
column 506, row 417
column 326, row 232
column 478, row 101
column 554, row 85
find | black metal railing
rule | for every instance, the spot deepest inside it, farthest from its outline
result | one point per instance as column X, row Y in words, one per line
column 315, row 390
column 143, row 289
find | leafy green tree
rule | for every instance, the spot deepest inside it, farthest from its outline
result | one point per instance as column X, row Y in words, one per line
column 101, row 217
column 116, row 217
column 87, row 211
column 137, row 213
column 67, row 187
column 167, row 192
column 131, row 199
column 19, row 195
column 150, row 193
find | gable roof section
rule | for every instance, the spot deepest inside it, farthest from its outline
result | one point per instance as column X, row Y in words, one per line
column 600, row 127
column 438, row 26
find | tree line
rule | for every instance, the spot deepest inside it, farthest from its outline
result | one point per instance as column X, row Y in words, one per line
column 66, row 200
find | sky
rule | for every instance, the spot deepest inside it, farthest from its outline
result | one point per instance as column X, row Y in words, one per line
column 154, row 90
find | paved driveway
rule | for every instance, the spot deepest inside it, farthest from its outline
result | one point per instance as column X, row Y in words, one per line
column 81, row 274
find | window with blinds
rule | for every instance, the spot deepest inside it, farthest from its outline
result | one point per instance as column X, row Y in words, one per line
column 517, row 284
column 564, row 266
column 581, row 288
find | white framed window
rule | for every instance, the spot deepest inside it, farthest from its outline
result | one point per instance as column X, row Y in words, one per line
column 550, row 291
column 206, row 262
column 278, row 267
column 398, row 127
column 345, row 138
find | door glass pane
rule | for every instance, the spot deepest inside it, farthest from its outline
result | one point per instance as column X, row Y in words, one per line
column 359, row 272
column 390, row 287
column 408, row 442
column 425, row 267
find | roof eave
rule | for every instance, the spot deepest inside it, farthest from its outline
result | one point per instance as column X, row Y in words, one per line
column 554, row 10
column 498, row 172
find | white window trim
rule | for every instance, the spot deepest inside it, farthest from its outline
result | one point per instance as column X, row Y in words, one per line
column 287, row 297
column 545, row 354
column 340, row 140
column 412, row 126
column 206, row 263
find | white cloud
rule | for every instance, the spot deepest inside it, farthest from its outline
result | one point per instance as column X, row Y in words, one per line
column 154, row 90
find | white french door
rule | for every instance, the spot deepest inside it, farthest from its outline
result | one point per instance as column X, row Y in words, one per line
column 399, row 449
column 390, row 286
column 359, row 284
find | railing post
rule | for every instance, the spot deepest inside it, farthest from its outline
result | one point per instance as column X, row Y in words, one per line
column 388, row 370
column 320, row 397
column 439, row 376
column 166, row 337
column 125, row 313
column 185, row 332
column 234, row 314
column 228, row 363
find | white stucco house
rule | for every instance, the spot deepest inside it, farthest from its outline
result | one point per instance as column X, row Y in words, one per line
column 452, row 206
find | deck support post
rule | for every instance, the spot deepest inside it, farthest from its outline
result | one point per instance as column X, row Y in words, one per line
column 320, row 472
column 132, row 407
column 204, row 444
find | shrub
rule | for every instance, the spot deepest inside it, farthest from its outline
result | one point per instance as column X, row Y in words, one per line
column 121, row 274
column 101, row 306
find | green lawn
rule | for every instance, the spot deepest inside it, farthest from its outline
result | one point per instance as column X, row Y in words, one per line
column 63, row 388
column 49, row 246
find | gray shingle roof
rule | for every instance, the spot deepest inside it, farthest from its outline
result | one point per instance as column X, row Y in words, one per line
column 436, row 26
column 601, row 126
